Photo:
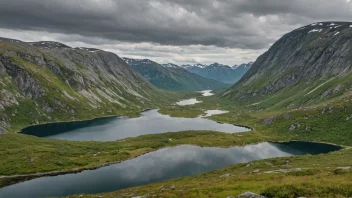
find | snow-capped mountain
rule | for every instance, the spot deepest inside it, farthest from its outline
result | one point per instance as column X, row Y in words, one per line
column 220, row 72
column 170, row 65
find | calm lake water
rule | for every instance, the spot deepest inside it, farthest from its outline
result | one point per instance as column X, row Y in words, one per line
column 157, row 166
column 213, row 112
column 206, row 93
column 191, row 101
column 110, row 129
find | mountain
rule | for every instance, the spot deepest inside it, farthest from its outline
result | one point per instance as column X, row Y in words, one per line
column 308, row 65
column 219, row 72
column 49, row 81
column 171, row 77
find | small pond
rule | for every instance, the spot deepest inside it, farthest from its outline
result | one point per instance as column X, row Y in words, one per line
column 206, row 93
column 191, row 101
column 208, row 113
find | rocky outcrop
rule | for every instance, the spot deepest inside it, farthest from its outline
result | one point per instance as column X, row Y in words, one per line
column 2, row 131
column 28, row 85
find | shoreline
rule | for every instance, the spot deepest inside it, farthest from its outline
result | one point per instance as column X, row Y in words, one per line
column 15, row 179
column 83, row 120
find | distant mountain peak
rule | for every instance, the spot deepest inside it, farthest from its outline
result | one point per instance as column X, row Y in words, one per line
column 170, row 65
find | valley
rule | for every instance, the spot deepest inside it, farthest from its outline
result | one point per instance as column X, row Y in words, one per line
column 85, row 122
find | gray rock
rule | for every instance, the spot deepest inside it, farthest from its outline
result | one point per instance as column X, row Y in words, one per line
column 250, row 195
column 349, row 118
column 270, row 120
column 283, row 170
column 292, row 127
column 2, row 131
column 225, row 175
column 287, row 116
column 2, row 69
column 7, row 99
column 343, row 168
column 144, row 196
column 172, row 187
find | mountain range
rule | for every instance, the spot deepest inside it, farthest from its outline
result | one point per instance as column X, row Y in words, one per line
column 223, row 73
column 172, row 77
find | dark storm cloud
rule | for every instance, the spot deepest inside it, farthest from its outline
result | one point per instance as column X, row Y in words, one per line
column 246, row 24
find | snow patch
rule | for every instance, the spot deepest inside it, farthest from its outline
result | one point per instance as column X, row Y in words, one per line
column 315, row 30
column 336, row 33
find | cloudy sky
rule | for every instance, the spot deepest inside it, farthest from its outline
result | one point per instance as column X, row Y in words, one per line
column 177, row 31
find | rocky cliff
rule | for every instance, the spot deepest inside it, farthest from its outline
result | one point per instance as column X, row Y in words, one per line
column 49, row 81
column 309, row 64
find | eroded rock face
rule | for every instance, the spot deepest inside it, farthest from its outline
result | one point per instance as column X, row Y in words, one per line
column 2, row 69
column 7, row 99
column 28, row 85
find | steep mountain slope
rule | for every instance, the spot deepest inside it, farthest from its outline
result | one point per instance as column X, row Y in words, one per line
column 49, row 81
column 172, row 77
column 220, row 72
column 308, row 65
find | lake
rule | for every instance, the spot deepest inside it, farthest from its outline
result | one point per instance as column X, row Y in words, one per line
column 110, row 129
column 191, row 101
column 158, row 166
column 206, row 93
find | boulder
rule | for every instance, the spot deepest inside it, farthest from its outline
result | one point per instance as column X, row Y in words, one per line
column 269, row 120
column 225, row 175
column 2, row 131
column 250, row 195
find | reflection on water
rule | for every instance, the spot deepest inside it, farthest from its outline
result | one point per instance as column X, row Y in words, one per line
column 188, row 102
column 109, row 129
column 157, row 166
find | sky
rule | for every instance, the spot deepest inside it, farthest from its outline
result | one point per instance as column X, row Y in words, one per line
column 177, row 31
